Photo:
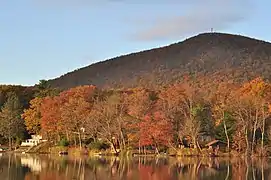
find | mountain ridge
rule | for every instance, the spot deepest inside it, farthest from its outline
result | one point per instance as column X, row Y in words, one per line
column 204, row 54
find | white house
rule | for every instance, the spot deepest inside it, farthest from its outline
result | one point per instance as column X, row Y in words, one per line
column 34, row 141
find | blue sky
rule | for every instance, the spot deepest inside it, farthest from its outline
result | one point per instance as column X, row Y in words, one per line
column 43, row 39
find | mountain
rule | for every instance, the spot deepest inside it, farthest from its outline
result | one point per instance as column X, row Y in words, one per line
column 214, row 55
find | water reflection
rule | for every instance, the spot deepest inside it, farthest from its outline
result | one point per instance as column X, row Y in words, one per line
column 47, row 167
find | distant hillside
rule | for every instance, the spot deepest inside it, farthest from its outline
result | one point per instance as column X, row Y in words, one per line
column 215, row 55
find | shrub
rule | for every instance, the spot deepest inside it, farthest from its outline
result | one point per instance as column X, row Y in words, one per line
column 98, row 145
column 64, row 142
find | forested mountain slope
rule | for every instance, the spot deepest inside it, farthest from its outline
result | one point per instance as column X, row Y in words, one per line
column 215, row 55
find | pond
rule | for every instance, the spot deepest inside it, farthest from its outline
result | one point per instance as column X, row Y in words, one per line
column 49, row 167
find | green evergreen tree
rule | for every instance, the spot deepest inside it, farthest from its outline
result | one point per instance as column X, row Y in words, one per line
column 44, row 89
column 11, row 124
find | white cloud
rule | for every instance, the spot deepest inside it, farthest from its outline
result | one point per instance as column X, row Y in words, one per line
column 201, row 17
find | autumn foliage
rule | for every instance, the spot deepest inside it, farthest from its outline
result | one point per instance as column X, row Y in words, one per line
column 180, row 114
column 32, row 116
column 155, row 129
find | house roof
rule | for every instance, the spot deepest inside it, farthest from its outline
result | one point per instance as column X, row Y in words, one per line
column 3, row 146
column 214, row 142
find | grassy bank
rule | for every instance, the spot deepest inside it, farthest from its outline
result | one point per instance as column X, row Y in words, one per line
column 180, row 152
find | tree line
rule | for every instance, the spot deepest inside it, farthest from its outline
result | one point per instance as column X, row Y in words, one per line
column 173, row 116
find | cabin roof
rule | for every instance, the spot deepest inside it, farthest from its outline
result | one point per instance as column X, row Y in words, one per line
column 214, row 142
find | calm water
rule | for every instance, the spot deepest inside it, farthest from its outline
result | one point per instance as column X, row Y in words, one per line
column 45, row 167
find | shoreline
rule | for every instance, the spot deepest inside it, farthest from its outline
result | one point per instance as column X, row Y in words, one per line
column 106, row 154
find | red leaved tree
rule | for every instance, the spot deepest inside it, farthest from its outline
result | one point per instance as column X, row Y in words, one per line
column 51, row 124
column 155, row 130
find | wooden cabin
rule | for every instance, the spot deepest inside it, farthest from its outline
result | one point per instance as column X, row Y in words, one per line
column 217, row 144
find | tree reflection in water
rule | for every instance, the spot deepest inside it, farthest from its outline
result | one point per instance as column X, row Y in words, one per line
column 47, row 167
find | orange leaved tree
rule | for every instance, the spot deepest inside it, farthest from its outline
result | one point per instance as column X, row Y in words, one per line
column 32, row 116
column 251, row 109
